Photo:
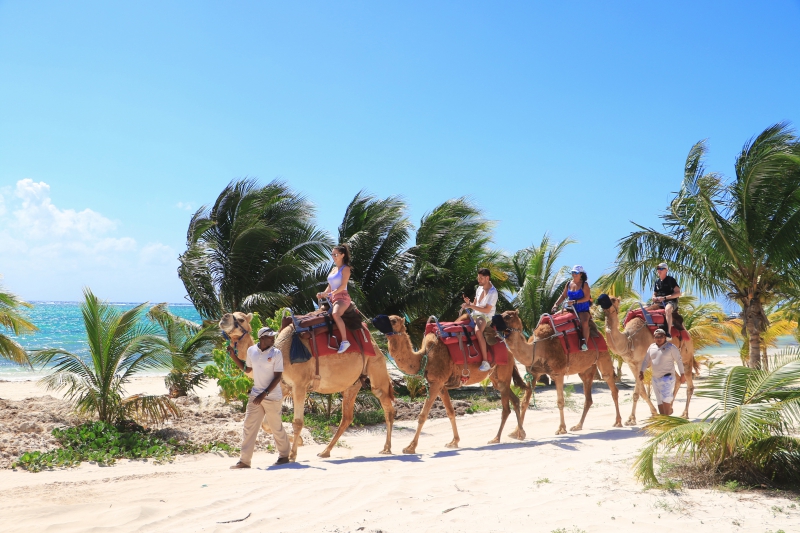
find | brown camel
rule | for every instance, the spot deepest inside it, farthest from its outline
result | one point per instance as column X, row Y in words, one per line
column 544, row 354
column 337, row 372
column 632, row 344
column 442, row 374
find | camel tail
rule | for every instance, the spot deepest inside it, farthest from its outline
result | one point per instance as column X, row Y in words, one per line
column 518, row 381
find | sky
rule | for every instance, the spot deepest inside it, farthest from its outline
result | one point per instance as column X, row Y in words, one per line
column 118, row 120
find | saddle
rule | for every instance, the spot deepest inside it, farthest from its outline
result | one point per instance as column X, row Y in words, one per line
column 461, row 342
column 319, row 329
column 567, row 326
column 322, row 317
column 659, row 319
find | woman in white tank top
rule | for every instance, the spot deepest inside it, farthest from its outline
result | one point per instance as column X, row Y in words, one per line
column 336, row 291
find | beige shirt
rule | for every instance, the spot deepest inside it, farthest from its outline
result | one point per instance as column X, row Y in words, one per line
column 264, row 365
column 663, row 359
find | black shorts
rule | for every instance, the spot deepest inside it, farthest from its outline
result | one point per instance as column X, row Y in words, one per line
column 673, row 302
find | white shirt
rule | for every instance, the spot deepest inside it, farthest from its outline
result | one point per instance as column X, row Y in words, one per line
column 486, row 298
column 663, row 359
column 264, row 365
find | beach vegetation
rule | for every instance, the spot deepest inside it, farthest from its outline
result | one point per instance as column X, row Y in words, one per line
column 103, row 443
column 188, row 346
column 121, row 345
column 749, row 435
column 416, row 386
column 233, row 383
column 14, row 320
column 730, row 237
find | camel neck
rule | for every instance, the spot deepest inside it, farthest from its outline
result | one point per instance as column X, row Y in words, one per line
column 615, row 338
column 402, row 352
column 521, row 349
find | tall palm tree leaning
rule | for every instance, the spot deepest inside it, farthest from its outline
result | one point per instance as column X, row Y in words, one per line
column 254, row 249
column 189, row 346
column 120, row 346
column 12, row 318
column 736, row 237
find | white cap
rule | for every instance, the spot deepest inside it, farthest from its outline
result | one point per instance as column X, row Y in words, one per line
column 266, row 332
column 577, row 269
column 663, row 265
column 660, row 331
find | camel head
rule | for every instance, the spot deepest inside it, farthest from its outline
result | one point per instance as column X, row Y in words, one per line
column 389, row 324
column 510, row 322
column 610, row 304
column 235, row 325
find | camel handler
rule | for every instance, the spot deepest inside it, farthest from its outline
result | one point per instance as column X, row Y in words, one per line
column 663, row 356
column 265, row 398
column 484, row 307
column 665, row 295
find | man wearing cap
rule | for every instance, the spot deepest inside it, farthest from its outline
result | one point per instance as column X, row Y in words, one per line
column 663, row 356
column 265, row 398
column 665, row 295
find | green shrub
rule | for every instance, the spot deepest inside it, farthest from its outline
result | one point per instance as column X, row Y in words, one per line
column 104, row 443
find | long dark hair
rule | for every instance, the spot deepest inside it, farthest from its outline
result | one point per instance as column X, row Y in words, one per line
column 344, row 249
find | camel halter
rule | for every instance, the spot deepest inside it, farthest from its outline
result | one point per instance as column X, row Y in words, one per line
column 235, row 344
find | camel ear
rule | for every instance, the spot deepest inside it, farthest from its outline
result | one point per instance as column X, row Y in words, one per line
column 249, row 317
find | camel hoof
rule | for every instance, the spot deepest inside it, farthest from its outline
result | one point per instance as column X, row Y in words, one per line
column 385, row 452
column 685, row 415
column 561, row 431
column 494, row 441
column 575, row 428
column 519, row 435
column 325, row 454
column 617, row 424
column 630, row 422
column 410, row 449
column 453, row 444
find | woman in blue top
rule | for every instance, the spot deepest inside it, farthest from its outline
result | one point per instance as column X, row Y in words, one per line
column 336, row 291
column 580, row 298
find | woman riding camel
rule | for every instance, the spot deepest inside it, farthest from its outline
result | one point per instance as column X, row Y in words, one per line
column 580, row 299
column 336, row 291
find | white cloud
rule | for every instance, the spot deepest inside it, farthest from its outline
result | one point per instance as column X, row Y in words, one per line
column 50, row 253
column 186, row 206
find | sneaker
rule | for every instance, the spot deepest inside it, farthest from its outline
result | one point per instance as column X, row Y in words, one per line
column 343, row 346
column 281, row 461
column 584, row 348
column 485, row 366
column 669, row 338
column 240, row 465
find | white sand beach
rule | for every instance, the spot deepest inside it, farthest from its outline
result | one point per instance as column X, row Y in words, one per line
column 576, row 482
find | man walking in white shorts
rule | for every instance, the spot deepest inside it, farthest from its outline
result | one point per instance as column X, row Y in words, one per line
column 265, row 398
column 663, row 356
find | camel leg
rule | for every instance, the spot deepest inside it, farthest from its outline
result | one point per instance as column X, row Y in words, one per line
column 451, row 414
column 587, row 378
column 689, row 391
column 299, row 400
column 607, row 371
column 506, row 396
column 348, row 403
column 382, row 389
column 526, row 400
column 433, row 393
column 559, row 379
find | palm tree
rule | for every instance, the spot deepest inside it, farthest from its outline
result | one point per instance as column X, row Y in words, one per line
column 781, row 324
column 750, row 432
column 13, row 319
column 735, row 238
column 255, row 249
column 705, row 322
column 120, row 346
column 452, row 243
column 538, row 280
column 189, row 346
column 377, row 232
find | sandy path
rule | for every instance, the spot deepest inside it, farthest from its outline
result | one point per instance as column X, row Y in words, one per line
column 580, row 480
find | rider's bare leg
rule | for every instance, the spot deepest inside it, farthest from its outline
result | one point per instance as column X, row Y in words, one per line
column 480, row 325
column 337, row 311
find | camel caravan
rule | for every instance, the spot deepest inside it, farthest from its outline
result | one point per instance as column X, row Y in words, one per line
column 332, row 350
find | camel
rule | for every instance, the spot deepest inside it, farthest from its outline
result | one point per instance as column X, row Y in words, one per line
column 442, row 374
column 338, row 373
column 544, row 354
column 632, row 345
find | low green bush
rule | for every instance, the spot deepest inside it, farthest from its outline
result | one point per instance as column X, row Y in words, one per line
column 104, row 443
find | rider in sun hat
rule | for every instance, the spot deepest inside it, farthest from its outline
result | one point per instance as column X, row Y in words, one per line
column 580, row 298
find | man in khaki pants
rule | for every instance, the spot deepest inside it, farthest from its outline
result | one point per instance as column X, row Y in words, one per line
column 265, row 398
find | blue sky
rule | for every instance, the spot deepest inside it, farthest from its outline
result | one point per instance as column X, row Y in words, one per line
column 117, row 120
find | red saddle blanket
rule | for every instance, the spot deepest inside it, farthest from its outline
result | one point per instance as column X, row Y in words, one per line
column 569, row 326
column 660, row 321
column 455, row 338
column 322, row 343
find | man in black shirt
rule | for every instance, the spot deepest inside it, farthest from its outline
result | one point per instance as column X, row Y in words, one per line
column 665, row 295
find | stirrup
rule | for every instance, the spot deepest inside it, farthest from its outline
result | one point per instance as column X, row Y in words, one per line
column 584, row 347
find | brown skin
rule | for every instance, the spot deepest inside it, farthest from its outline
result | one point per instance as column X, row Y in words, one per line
column 549, row 358
column 440, row 370
column 665, row 300
column 337, row 373
column 663, row 408
column 338, row 308
column 574, row 285
column 264, row 343
column 480, row 324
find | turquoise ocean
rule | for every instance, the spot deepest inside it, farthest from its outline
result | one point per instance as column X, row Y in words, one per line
column 61, row 326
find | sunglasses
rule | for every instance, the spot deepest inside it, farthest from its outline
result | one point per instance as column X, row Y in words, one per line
column 334, row 254
column 661, row 268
